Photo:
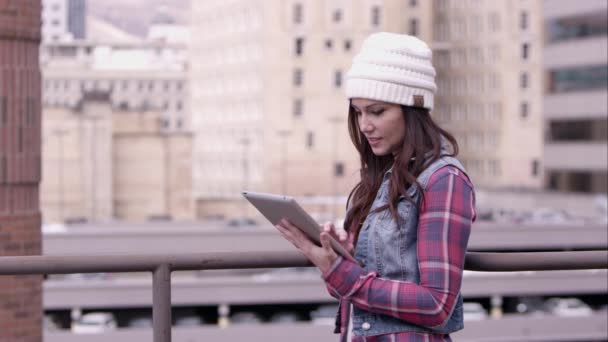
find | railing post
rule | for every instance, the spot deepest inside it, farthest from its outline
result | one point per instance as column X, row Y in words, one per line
column 161, row 303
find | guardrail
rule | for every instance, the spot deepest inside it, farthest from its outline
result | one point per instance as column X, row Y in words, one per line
column 161, row 267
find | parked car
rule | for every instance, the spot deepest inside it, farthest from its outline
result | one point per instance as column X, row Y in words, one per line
column 94, row 322
column 324, row 315
column 529, row 305
column 49, row 323
column 284, row 317
column 245, row 317
column 242, row 222
column 188, row 321
column 140, row 322
column 473, row 311
column 567, row 307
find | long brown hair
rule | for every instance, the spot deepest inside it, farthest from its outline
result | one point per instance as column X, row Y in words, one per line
column 421, row 147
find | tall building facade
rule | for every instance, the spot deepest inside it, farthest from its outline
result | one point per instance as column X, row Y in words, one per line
column 77, row 18
column 20, row 296
column 116, row 137
column 270, row 113
column 576, row 95
column 63, row 20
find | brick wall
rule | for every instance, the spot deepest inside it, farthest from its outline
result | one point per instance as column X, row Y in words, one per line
column 20, row 297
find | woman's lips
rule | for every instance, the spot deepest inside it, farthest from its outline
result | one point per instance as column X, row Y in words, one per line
column 374, row 141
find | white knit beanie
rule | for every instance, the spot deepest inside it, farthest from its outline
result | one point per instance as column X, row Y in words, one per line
column 394, row 68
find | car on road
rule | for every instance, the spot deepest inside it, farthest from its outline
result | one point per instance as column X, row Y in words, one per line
column 94, row 323
column 245, row 317
column 473, row 311
column 140, row 322
column 324, row 314
column 567, row 307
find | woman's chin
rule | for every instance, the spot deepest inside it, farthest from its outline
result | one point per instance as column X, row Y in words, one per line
column 378, row 151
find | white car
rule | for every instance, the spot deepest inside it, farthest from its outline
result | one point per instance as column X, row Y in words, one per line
column 473, row 311
column 324, row 315
column 568, row 307
column 94, row 322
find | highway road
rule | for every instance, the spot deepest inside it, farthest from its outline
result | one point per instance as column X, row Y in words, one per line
column 216, row 236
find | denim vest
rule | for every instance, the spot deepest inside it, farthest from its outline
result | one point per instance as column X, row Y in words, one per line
column 390, row 250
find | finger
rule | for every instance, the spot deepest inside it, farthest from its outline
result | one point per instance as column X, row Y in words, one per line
column 326, row 245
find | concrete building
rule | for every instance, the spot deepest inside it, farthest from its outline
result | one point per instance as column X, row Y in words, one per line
column 116, row 133
column 576, row 96
column 20, row 122
column 270, row 113
column 63, row 20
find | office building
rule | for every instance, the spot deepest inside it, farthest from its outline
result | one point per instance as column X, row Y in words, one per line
column 576, row 96
column 269, row 110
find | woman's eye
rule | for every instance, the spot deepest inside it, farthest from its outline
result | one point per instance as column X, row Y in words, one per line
column 377, row 111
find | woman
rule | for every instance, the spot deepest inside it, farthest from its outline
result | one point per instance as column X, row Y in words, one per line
column 410, row 216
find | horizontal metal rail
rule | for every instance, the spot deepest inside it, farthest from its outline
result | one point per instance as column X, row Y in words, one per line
column 161, row 267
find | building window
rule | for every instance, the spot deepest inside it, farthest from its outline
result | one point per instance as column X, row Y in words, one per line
column 578, row 130
column 329, row 44
column 413, row 29
column 299, row 46
column 494, row 22
column 576, row 27
column 298, row 77
column 535, row 168
column 376, row 16
column 339, row 169
column 310, row 140
column 3, row 110
column 494, row 167
column 523, row 20
column 578, row 78
column 298, row 107
column 524, row 110
column 413, row 3
column 347, row 45
column 523, row 80
column 338, row 78
column 298, row 13
column 525, row 51
column 337, row 16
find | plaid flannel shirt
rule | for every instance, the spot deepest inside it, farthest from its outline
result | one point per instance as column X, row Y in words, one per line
column 446, row 215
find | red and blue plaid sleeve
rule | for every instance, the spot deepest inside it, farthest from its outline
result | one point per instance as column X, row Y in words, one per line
column 444, row 225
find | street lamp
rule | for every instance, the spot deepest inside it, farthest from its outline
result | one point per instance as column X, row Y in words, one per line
column 60, row 133
column 245, row 142
column 284, row 135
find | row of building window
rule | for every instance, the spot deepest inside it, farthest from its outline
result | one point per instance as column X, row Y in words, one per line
column 375, row 15
column 481, row 167
column 578, row 78
column 577, row 130
column 110, row 84
column 577, row 27
column 299, row 45
column 493, row 168
column 298, row 78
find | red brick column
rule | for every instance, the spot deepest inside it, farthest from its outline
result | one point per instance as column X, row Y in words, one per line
column 20, row 114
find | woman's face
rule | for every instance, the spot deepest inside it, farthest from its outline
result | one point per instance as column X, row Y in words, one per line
column 381, row 123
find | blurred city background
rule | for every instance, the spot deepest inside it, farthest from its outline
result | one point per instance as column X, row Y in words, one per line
column 156, row 114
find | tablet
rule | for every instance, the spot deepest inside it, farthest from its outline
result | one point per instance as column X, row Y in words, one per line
column 277, row 207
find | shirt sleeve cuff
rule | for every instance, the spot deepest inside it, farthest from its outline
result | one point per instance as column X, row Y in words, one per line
column 342, row 276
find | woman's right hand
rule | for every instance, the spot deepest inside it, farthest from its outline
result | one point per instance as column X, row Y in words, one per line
column 339, row 234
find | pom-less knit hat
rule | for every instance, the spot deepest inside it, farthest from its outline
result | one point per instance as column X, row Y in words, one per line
column 393, row 68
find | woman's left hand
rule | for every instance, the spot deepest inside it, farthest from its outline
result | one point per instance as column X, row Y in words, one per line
column 322, row 257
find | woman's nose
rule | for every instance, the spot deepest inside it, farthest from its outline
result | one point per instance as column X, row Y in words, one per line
column 365, row 125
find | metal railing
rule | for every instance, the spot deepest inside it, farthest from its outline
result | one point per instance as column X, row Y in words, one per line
column 161, row 267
